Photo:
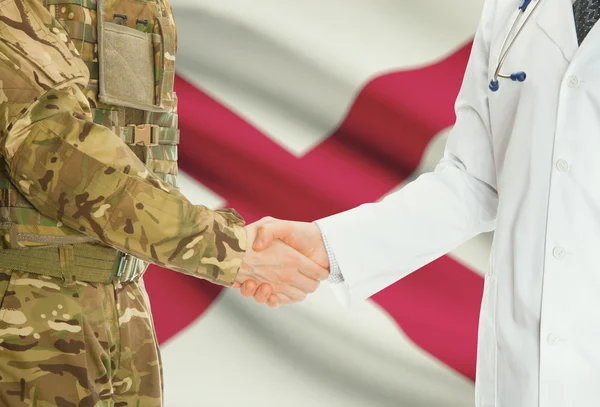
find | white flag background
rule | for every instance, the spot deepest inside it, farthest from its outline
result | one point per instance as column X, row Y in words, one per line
column 300, row 109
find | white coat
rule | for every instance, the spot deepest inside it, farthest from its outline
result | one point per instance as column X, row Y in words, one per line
column 524, row 161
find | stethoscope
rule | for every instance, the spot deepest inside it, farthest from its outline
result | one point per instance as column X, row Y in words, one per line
column 507, row 45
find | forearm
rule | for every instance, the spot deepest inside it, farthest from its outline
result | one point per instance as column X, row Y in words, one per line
column 83, row 175
column 379, row 243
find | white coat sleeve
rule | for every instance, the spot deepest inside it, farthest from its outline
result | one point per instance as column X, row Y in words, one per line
column 377, row 244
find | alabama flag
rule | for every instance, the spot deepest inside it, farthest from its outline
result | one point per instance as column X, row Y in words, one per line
column 298, row 110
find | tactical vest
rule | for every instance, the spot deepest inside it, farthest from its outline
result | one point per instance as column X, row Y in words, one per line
column 129, row 48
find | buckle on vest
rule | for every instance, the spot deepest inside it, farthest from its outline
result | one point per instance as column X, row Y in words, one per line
column 127, row 268
column 144, row 135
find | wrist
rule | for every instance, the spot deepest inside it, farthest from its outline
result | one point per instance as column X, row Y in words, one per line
column 323, row 247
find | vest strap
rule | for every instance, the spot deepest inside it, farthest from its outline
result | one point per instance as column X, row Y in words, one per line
column 147, row 135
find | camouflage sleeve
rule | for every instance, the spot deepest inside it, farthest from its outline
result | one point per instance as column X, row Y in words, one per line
column 83, row 174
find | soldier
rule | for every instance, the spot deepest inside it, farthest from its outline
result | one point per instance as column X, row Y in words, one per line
column 88, row 197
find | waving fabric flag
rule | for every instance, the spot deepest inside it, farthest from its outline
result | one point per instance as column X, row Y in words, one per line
column 300, row 109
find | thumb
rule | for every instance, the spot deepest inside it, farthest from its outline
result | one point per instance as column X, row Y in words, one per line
column 268, row 232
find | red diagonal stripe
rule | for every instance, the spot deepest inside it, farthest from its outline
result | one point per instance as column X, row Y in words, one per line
column 378, row 145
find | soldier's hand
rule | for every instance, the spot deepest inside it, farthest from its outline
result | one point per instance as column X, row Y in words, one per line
column 286, row 275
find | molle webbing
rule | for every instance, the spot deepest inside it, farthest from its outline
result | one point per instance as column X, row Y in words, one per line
column 89, row 4
column 152, row 135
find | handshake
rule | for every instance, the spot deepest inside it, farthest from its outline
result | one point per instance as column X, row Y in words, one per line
column 284, row 262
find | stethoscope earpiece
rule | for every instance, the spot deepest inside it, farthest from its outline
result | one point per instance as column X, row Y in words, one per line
column 518, row 76
column 494, row 85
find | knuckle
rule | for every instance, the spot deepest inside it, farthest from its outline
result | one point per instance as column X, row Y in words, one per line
column 261, row 229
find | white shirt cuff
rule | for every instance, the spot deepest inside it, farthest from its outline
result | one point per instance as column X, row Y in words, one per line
column 335, row 274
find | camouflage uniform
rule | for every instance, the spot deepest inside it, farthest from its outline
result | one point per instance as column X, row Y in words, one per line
column 88, row 197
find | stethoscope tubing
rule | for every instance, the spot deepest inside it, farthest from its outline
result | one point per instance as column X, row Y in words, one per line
column 508, row 43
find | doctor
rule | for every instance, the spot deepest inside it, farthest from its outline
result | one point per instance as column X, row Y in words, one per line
column 523, row 159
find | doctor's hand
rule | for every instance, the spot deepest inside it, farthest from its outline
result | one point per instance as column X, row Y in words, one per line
column 287, row 275
column 305, row 237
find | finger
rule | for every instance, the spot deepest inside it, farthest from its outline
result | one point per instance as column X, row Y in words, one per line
column 249, row 288
column 273, row 301
column 268, row 232
column 308, row 275
column 293, row 293
column 236, row 285
column 313, row 271
column 284, row 299
column 263, row 240
column 304, row 284
column 263, row 293
column 292, row 279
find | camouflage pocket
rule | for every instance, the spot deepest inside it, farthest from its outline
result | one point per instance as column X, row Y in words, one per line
column 126, row 59
column 127, row 55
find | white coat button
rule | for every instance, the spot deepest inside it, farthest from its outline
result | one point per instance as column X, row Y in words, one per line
column 573, row 81
column 553, row 339
column 559, row 252
column 562, row 166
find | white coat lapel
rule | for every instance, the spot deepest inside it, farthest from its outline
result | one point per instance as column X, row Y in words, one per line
column 556, row 20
